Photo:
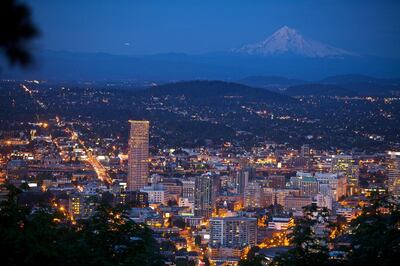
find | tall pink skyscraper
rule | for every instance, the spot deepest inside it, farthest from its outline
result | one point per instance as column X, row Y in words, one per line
column 138, row 155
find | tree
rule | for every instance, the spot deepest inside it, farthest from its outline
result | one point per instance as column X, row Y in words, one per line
column 48, row 236
column 172, row 203
column 252, row 258
column 179, row 222
column 375, row 234
column 197, row 240
column 115, row 240
column 16, row 30
column 308, row 248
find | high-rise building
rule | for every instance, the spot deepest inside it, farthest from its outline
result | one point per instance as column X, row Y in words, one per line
column 81, row 205
column 345, row 164
column 243, row 177
column 328, row 184
column 394, row 173
column 204, row 195
column 138, row 155
column 306, row 183
column 305, row 150
column 233, row 232
column 253, row 195
column 188, row 190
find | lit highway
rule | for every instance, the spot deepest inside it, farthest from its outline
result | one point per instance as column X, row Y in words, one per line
column 100, row 170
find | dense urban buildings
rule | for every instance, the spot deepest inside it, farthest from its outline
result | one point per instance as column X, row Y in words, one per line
column 211, row 182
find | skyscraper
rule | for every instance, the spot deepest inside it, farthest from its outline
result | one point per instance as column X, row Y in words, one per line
column 243, row 177
column 138, row 155
column 345, row 164
column 205, row 192
column 394, row 173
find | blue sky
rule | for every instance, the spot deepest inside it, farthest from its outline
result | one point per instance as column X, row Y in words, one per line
column 189, row 26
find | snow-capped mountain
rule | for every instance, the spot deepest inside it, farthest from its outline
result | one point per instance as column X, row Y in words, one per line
column 289, row 41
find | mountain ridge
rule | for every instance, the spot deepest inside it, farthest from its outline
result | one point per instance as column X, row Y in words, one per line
column 199, row 89
column 289, row 41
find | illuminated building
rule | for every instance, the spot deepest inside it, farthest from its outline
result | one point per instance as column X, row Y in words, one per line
column 188, row 194
column 173, row 189
column 342, row 187
column 280, row 223
column 204, row 195
column 243, row 177
column 323, row 201
column 138, row 155
column 137, row 199
column 156, row 193
column 188, row 190
column 305, row 150
column 75, row 204
column 17, row 169
column 306, row 183
column 328, row 184
column 394, row 173
column 346, row 164
column 233, row 232
column 296, row 203
column 253, row 195
column 348, row 213
column 81, row 205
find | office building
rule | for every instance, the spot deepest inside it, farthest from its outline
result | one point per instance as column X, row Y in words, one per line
column 297, row 203
column 243, row 177
column 281, row 223
column 204, row 195
column 328, row 184
column 305, row 150
column 345, row 164
column 155, row 193
column 81, row 205
column 394, row 173
column 233, row 232
column 138, row 155
column 253, row 195
column 188, row 190
column 306, row 183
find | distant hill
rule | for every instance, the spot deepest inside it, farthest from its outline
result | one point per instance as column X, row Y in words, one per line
column 355, row 78
column 347, row 85
column 215, row 89
column 72, row 66
column 270, row 82
column 318, row 90
column 365, row 85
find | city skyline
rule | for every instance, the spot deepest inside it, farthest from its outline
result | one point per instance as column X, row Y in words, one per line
column 200, row 133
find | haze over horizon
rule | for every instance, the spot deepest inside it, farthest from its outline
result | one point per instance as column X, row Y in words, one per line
column 151, row 27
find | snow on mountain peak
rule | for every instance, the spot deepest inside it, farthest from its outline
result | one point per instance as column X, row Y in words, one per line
column 289, row 41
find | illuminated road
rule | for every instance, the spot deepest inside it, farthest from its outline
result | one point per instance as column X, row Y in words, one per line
column 100, row 170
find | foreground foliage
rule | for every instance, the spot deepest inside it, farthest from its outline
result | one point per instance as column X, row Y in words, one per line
column 43, row 236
